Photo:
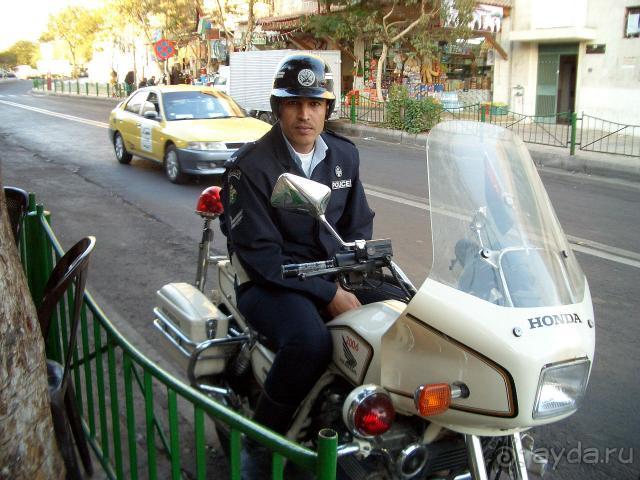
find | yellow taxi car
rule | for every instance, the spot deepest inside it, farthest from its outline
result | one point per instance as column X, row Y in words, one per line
column 191, row 130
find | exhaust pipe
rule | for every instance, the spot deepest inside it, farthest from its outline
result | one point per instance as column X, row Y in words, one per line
column 411, row 461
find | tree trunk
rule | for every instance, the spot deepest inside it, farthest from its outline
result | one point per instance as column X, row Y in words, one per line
column 28, row 448
column 381, row 61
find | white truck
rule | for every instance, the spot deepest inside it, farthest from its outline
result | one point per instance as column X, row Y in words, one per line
column 252, row 73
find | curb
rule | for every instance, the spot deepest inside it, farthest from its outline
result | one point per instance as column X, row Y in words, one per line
column 590, row 163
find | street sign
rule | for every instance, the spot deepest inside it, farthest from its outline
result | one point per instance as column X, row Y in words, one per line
column 164, row 48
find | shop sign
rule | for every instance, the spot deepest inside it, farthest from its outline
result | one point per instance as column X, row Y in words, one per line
column 259, row 38
column 596, row 47
column 486, row 18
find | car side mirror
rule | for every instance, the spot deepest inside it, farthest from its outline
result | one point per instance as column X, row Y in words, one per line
column 151, row 115
column 299, row 194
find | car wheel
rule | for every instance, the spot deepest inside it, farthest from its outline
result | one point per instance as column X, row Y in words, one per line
column 172, row 166
column 121, row 151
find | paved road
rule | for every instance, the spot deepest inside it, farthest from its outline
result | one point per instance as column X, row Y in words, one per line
column 147, row 236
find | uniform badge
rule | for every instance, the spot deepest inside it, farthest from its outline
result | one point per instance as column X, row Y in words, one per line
column 338, row 171
column 235, row 173
column 306, row 77
column 233, row 194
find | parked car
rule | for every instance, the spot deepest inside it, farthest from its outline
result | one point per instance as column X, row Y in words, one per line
column 191, row 130
column 25, row 71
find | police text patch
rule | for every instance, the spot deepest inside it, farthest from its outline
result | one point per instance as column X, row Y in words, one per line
column 336, row 184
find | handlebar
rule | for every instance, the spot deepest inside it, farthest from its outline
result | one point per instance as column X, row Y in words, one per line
column 365, row 256
column 294, row 270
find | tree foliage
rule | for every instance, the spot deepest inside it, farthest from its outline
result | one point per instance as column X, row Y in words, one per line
column 417, row 24
column 77, row 27
column 22, row 52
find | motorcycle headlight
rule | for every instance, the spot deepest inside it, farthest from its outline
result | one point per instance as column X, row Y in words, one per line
column 206, row 146
column 561, row 388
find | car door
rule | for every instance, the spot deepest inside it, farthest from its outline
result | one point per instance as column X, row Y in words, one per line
column 151, row 128
column 129, row 122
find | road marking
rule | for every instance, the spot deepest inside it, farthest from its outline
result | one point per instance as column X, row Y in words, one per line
column 56, row 114
column 578, row 244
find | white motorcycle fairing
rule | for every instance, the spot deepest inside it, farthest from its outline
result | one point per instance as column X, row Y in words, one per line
column 505, row 298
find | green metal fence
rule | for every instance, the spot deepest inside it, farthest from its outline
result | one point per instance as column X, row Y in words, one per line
column 599, row 135
column 554, row 130
column 76, row 87
column 363, row 109
column 559, row 130
column 140, row 420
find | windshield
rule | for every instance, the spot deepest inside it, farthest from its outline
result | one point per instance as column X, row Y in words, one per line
column 495, row 233
column 197, row 105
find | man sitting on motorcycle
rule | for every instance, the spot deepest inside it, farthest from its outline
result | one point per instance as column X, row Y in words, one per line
column 289, row 312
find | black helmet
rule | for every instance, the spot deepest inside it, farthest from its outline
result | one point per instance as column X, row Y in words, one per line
column 302, row 75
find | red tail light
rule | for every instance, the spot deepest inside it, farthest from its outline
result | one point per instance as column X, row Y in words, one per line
column 368, row 411
column 209, row 203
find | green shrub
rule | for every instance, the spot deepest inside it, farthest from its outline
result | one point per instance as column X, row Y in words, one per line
column 411, row 115
column 398, row 95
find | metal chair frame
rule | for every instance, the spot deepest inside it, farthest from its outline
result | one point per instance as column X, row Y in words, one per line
column 71, row 269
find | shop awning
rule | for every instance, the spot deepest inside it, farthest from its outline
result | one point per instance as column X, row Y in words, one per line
column 282, row 23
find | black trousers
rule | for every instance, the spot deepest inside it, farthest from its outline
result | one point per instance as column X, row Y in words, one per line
column 291, row 321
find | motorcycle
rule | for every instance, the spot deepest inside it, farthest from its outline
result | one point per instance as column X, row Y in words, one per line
column 446, row 381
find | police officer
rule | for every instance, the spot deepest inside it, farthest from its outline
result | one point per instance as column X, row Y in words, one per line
column 289, row 312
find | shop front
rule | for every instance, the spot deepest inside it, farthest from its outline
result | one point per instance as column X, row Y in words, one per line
column 458, row 72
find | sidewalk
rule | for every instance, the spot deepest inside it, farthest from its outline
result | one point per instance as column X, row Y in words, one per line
column 592, row 163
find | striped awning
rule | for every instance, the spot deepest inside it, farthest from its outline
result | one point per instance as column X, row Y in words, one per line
column 280, row 23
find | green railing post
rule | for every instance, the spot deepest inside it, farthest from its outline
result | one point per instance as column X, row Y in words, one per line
column 55, row 86
column 61, row 86
column 574, row 122
column 38, row 248
column 86, row 88
column 77, row 87
column 108, row 90
column 352, row 113
column 327, row 454
column 483, row 113
column 97, row 89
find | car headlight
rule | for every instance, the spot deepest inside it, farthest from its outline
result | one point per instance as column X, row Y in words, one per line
column 561, row 388
column 206, row 146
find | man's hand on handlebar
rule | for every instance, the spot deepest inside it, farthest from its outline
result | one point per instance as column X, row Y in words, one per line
column 343, row 301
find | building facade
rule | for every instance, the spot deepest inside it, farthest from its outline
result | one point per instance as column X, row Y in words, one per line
column 571, row 55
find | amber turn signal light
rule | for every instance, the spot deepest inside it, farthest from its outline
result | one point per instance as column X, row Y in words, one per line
column 432, row 399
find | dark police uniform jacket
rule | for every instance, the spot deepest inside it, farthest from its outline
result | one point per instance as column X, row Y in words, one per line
column 264, row 238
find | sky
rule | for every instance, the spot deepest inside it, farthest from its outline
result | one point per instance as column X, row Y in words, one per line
column 27, row 19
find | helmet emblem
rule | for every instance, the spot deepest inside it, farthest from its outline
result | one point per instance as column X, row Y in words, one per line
column 338, row 171
column 306, row 77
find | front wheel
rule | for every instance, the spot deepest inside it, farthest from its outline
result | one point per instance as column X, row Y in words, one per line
column 122, row 155
column 172, row 166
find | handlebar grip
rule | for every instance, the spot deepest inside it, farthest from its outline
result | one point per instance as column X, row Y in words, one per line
column 294, row 270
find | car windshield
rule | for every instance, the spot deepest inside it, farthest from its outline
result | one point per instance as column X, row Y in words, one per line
column 199, row 105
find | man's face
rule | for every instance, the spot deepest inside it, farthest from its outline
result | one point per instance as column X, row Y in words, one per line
column 302, row 120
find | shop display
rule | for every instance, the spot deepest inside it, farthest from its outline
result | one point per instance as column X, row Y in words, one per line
column 464, row 69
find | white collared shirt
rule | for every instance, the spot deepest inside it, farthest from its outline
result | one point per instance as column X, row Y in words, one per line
column 313, row 158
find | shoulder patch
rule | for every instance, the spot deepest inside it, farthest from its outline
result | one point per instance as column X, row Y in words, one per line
column 337, row 135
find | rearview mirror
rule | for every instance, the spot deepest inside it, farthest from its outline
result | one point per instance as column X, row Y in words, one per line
column 150, row 115
column 299, row 194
